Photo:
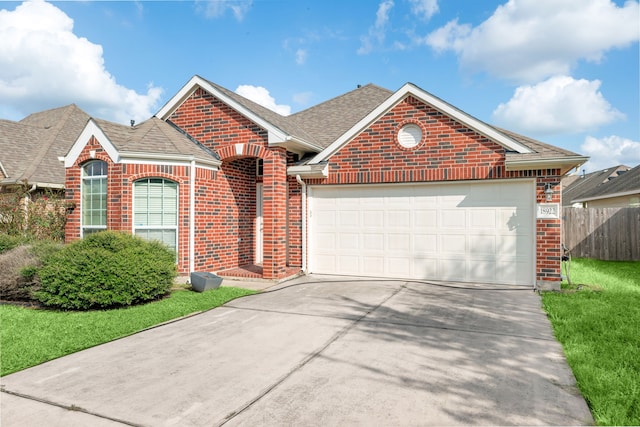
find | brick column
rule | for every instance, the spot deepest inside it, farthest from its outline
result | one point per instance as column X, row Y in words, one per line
column 275, row 214
column 548, row 238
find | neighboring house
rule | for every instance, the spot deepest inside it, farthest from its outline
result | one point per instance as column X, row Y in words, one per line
column 371, row 183
column 31, row 149
column 609, row 188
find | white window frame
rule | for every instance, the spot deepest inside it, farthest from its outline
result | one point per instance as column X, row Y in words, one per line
column 175, row 227
column 84, row 178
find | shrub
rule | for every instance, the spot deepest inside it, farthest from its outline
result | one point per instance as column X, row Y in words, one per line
column 14, row 286
column 40, row 215
column 106, row 269
column 8, row 242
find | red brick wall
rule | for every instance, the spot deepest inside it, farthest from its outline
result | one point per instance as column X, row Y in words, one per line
column 120, row 179
column 229, row 238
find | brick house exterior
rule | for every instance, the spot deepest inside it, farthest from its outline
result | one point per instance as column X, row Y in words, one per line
column 249, row 182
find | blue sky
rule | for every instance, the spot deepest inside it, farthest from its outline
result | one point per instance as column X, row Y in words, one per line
column 565, row 72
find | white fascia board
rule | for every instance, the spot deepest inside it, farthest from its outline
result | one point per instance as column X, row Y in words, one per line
column 309, row 171
column 437, row 103
column 91, row 129
column 553, row 163
column 298, row 145
column 3, row 170
column 275, row 135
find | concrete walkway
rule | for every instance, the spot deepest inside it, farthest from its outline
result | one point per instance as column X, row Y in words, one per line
column 325, row 351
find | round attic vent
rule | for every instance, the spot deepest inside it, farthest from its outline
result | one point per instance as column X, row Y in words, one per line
column 410, row 135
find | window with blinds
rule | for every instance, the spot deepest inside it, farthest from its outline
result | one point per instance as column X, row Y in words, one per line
column 94, row 197
column 155, row 210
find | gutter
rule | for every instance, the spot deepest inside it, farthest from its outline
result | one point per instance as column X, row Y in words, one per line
column 175, row 158
column 318, row 170
column 303, row 192
column 608, row 196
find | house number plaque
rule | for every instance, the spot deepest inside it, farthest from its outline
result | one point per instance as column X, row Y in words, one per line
column 548, row 210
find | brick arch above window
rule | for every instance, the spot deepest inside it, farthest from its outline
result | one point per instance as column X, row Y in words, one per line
column 236, row 151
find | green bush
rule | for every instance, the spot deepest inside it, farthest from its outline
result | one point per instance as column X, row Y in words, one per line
column 104, row 270
column 8, row 242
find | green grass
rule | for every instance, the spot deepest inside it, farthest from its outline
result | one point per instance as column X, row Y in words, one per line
column 29, row 336
column 598, row 325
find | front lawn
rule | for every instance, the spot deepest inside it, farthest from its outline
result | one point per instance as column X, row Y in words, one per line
column 29, row 336
column 597, row 320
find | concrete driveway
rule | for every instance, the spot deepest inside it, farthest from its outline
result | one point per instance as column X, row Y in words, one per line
column 319, row 351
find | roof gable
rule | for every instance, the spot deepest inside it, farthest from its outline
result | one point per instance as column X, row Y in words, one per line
column 279, row 129
column 153, row 140
column 438, row 104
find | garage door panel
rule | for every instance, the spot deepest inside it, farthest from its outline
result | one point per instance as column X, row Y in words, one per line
column 483, row 219
column 399, row 243
column 425, row 218
column 451, row 218
column 373, row 242
column 461, row 231
column 348, row 242
column 482, row 245
column 425, row 244
column 373, row 218
column 453, row 244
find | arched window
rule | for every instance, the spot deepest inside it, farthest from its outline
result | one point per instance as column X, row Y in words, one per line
column 155, row 210
column 94, row 197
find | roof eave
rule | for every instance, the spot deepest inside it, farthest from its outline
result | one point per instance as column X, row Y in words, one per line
column 320, row 170
column 298, row 145
column 565, row 164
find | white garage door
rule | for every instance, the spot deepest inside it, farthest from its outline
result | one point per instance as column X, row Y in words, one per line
column 469, row 232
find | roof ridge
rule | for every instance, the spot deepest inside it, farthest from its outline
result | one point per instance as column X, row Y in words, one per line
column 342, row 96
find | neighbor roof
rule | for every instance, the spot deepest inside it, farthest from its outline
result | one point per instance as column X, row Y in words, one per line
column 580, row 185
column 30, row 148
column 620, row 183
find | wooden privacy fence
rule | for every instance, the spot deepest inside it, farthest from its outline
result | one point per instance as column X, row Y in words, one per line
column 602, row 233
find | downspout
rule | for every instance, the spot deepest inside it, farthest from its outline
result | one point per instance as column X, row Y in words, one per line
column 192, row 216
column 303, row 192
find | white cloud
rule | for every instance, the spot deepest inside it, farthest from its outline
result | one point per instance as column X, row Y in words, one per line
column 43, row 64
column 261, row 96
column 425, row 9
column 377, row 31
column 217, row 8
column 560, row 104
column 529, row 40
column 302, row 98
column 610, row 151
column 301, row 56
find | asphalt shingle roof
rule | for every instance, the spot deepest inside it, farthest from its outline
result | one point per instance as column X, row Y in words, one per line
column 616, row 181
column 153, row 136
column 585, row 184
column 29, row 149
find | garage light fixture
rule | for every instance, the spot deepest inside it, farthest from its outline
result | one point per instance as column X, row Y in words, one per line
column 548, row 192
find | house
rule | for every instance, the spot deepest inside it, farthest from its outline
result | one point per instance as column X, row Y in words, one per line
column 618, row 186
column 370, row 183
column 30, row 148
